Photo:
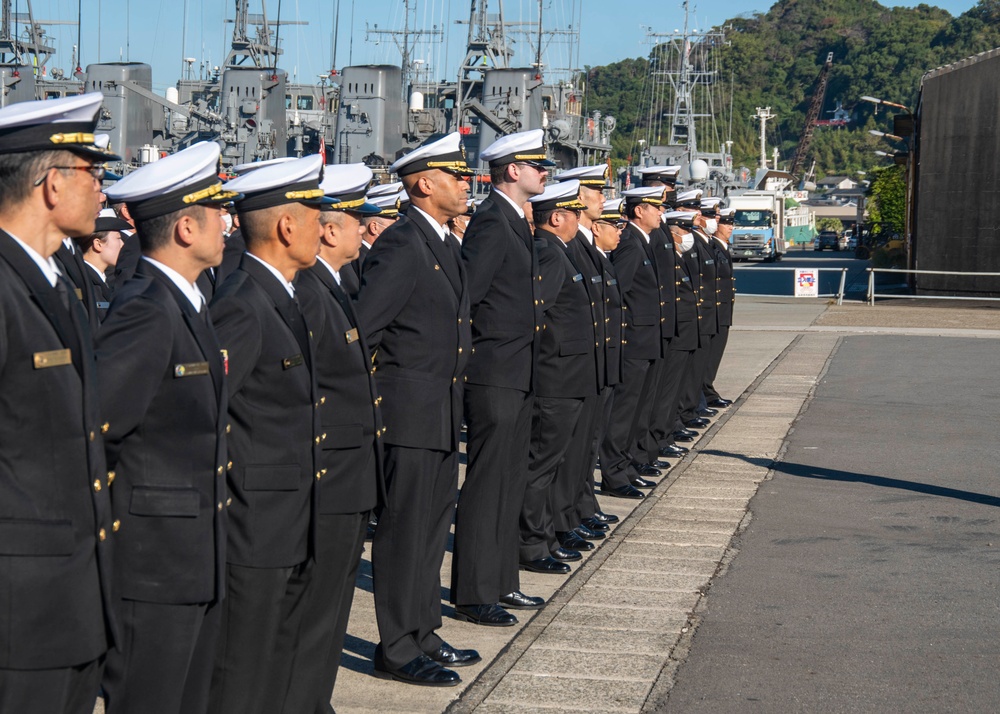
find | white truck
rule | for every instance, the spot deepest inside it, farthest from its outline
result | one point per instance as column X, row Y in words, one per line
column 759, row 231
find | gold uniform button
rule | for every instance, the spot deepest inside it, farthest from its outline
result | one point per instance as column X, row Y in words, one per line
column 116, row 526
column 459, row 321
column 536, row 302
column 104, row 427
column 97, row 485
column 318, row 475
column 454, row 379
column 102, row 535
column 219, row 471
column 322, row 400
column 111, row 477
column 229, row 466
column 229, row 428
column 465, row 379
column 317, row 439
column 219, row 506
column 460, row 350
column 92, row 436
column 323, row 437
column 229, row 502
column 537, row 328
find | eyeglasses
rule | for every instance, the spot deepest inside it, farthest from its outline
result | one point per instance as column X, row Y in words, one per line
column 96, row 171
column 619, row 225
column 532, row 164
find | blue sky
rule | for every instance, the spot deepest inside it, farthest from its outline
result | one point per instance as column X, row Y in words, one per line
column 154, row 31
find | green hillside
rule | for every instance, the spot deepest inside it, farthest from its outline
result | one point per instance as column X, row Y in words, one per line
column 773, row 59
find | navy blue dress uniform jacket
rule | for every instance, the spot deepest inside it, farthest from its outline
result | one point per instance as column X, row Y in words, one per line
column 414, row 308
column 708, row 284
column 74, row 268
column 164, row 397
column 727, row 283
column 662, row 246
column 615, row 363
column 55, row 508
column 686, row 330
column 350, row 406
column 504, row 294
column 641, row 294
column 274, row 417
column 567, row 362
column 101, row 292
column 585, row 256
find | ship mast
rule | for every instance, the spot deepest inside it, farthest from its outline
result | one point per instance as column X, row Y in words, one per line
column 258, row 51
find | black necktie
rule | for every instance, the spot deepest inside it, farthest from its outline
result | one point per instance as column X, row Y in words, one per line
column 63, row 292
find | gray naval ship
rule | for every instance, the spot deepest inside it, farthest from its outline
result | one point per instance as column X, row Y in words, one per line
column 364, row 113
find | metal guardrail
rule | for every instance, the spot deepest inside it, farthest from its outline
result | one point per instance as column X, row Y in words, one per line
column 840, row 291
column 870, row 299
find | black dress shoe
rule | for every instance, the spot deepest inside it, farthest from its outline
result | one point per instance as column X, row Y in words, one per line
column 585, row 532
column 446, row 654
column 640, row 482
column 647, row 470
column 567, row 555
column 707, row 412
column 517, row 600
column 547, row 565
column 662, row 464
column 605, row 517
column 421, row 670
column 672, row 450
column 571, row 541
column 696, row 423
column 490, row 615
column 686, row 432
column 595, row 525
column 720, row 403
column 622, row 492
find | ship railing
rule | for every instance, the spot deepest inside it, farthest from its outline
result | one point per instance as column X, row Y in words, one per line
column 871, row 295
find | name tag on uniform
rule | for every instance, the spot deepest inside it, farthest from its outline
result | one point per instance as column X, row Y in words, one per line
column 351, row 335
column 79, row 293
column 710, row 262
column 578, row 277
column 613, row 281
column 596, row 279
column 685, row 279
column 52, row 358
column 647, row 262
column 294, row 361
column 191, row 369
column 102, row 305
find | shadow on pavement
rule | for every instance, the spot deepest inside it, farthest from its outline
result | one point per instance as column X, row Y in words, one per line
column 825, row 474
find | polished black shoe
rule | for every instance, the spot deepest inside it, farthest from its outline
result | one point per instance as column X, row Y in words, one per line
column 647, row 470
column 673, row 450
column 586, row 533
column 549, row 565
column 595, row 525
column 708, row 412
column 421, row 670
column 640, row 482
column 622, row 492
column 491, row 615
column 696, row 423
column 567, row 555
column 720, row 403
column 448, row 655
column 571, row 541
column 517, row 600
column 605, row 517
column 661, row 464
column 686, row 432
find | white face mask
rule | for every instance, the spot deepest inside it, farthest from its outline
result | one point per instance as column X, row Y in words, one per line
column 711, row 226
column 687, row 242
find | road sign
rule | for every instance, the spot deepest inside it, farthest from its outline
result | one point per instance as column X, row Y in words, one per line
column 806, row 282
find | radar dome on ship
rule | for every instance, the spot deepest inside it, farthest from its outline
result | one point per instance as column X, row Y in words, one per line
column 698, row 171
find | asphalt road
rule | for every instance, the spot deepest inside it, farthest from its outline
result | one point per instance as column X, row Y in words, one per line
column 867, row 580
column 758, row 278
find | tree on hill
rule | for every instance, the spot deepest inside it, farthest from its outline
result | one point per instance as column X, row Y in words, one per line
column 773, row 59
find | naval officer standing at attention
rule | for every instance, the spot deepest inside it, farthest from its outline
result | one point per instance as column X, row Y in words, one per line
column 350, row 460
column 414, row 308
column 163, row 395
column 502, row 264
column 55, row 511
column 275, row 433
